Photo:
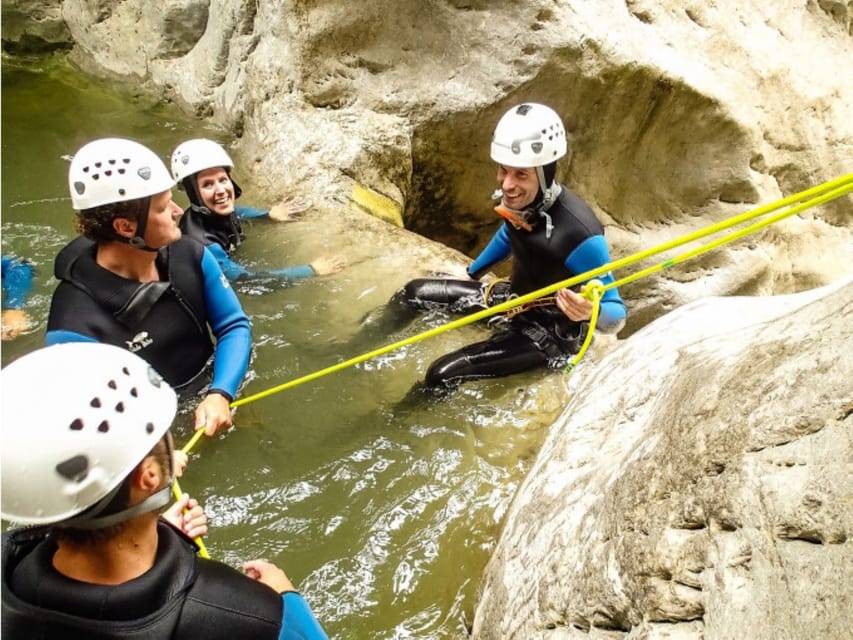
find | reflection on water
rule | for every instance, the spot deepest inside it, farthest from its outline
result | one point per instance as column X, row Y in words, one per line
column 383, row 510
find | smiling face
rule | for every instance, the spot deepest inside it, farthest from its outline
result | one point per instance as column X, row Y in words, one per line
column 519, row 186
column 216, row 190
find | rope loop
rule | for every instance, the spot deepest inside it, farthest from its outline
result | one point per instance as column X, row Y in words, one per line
column 487, row 292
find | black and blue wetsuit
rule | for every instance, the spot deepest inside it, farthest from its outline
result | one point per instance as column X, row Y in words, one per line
column 223, row 234
column 17, row 277
column 181, row 596
column 565, row 241
column 168, row 323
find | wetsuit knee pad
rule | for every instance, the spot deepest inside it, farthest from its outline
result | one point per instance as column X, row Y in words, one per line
column 504, row 354
column 447, row 370
column 439, row 291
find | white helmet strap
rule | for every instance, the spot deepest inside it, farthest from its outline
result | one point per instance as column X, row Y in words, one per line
column 90, row 520
column 138, row 240
column 549, row 195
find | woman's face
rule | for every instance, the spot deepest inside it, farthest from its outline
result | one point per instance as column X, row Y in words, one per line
column 216, row 190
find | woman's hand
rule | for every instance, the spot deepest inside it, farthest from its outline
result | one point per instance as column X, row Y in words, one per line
column 325, row 265
column 289, row 209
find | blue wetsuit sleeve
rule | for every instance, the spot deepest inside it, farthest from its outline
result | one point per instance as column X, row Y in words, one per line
column 60, row 336
column 298, row 621
column 230, row 326
column 590, row 254
column 296, row 272
column 232, row 270
column 17, row 278
column 498, row 249
column 244, row 213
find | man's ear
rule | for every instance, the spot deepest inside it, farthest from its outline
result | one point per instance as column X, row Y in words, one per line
column 148, row 475
column 124, row 227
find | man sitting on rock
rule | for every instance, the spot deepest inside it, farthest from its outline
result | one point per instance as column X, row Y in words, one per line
column 551, row 234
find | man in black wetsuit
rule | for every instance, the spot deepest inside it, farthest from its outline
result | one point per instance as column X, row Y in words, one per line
column 551, row 235
column 131, row 280
column 90, row 468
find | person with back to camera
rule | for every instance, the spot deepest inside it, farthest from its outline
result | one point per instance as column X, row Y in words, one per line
column 131, row 280
column 17, row 278
column 550, row 233
column 89, row 471
column 203, row 169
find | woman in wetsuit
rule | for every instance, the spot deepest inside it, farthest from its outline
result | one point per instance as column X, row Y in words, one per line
column 203, row 169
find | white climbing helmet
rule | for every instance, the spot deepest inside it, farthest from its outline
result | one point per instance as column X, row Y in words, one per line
column 77, row 419
column 115, row 170
column 196, row 155
column 529, row 135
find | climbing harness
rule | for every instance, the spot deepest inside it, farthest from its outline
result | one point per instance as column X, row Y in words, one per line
column 487, row 292
column 547, row 301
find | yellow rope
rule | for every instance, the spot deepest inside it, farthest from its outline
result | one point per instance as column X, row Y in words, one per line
column 808, row 198
column 829, row 190
column 594, row 290
column 176, row 488
column 176, row 491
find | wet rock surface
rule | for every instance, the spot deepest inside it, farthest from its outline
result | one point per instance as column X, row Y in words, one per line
column 701, row 496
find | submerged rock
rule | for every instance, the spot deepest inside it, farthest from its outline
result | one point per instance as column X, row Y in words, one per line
column 696, row 487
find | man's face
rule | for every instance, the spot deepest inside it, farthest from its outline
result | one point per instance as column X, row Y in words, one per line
column 162, row 229
column 519, row 186
column 216, row 190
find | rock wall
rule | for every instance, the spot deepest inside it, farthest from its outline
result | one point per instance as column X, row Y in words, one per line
column 679, row 113
column 701, row 492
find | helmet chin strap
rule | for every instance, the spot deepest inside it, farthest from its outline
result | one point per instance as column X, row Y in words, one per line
column 549, row 197
column 138, row 240
column 199, row 208
column 90, row 520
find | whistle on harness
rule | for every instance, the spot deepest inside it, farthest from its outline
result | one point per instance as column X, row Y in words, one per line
column 514, row 218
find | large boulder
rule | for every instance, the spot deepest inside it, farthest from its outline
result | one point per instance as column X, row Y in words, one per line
column 697, row 486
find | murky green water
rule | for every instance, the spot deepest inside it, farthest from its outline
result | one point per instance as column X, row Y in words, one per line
column 384, row 515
